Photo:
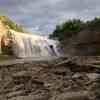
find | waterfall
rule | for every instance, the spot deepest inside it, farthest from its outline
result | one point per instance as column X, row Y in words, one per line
column 28, row 45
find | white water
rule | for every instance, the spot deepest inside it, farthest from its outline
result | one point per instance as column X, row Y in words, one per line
column 28, row 45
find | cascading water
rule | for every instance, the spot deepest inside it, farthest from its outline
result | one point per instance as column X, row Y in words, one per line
column 28, row 45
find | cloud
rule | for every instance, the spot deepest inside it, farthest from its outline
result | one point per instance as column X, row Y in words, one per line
column 45, row 14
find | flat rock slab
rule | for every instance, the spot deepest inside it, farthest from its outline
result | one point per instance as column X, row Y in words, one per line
column 81, row 95
column 39, row 79
column 25, row 60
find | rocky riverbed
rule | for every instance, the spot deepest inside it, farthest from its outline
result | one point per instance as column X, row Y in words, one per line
column 45, row 81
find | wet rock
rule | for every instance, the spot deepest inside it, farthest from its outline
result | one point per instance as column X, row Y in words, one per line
column 43, row 81
column 81, row 95
column 93, row 76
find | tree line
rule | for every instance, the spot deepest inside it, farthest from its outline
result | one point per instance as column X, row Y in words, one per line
column 72, row 27
column 10, row 24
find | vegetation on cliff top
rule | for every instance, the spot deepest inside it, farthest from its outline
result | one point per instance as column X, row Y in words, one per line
column 66, row 29
column 72, row 27
column 10, row 24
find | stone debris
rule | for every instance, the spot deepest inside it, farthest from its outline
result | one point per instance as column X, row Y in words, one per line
column 44, row 81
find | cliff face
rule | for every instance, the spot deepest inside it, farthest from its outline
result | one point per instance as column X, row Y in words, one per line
column 5, row 25
column 86, row 42
column 3, row 30
column 79, row 36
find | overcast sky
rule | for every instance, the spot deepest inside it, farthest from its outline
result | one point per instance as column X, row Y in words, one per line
column 43, row 15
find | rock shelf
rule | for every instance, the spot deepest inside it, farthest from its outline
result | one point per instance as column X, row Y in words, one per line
column 45, row 81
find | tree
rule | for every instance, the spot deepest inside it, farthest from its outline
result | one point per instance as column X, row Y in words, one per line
column 95, row 23
column 67, row 29
column 10, row 24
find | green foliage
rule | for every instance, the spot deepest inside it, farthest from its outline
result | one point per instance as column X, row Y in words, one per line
column 67, row 29
column 95, row 23
column 73, row 27
column 10, row 24
column 6, row 57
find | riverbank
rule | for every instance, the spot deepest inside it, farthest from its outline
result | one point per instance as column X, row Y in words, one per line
column 5, row 57
column 6, row 60
column 47, row 80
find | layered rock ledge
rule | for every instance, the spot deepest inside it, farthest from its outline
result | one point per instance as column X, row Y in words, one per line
column 36, row 80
